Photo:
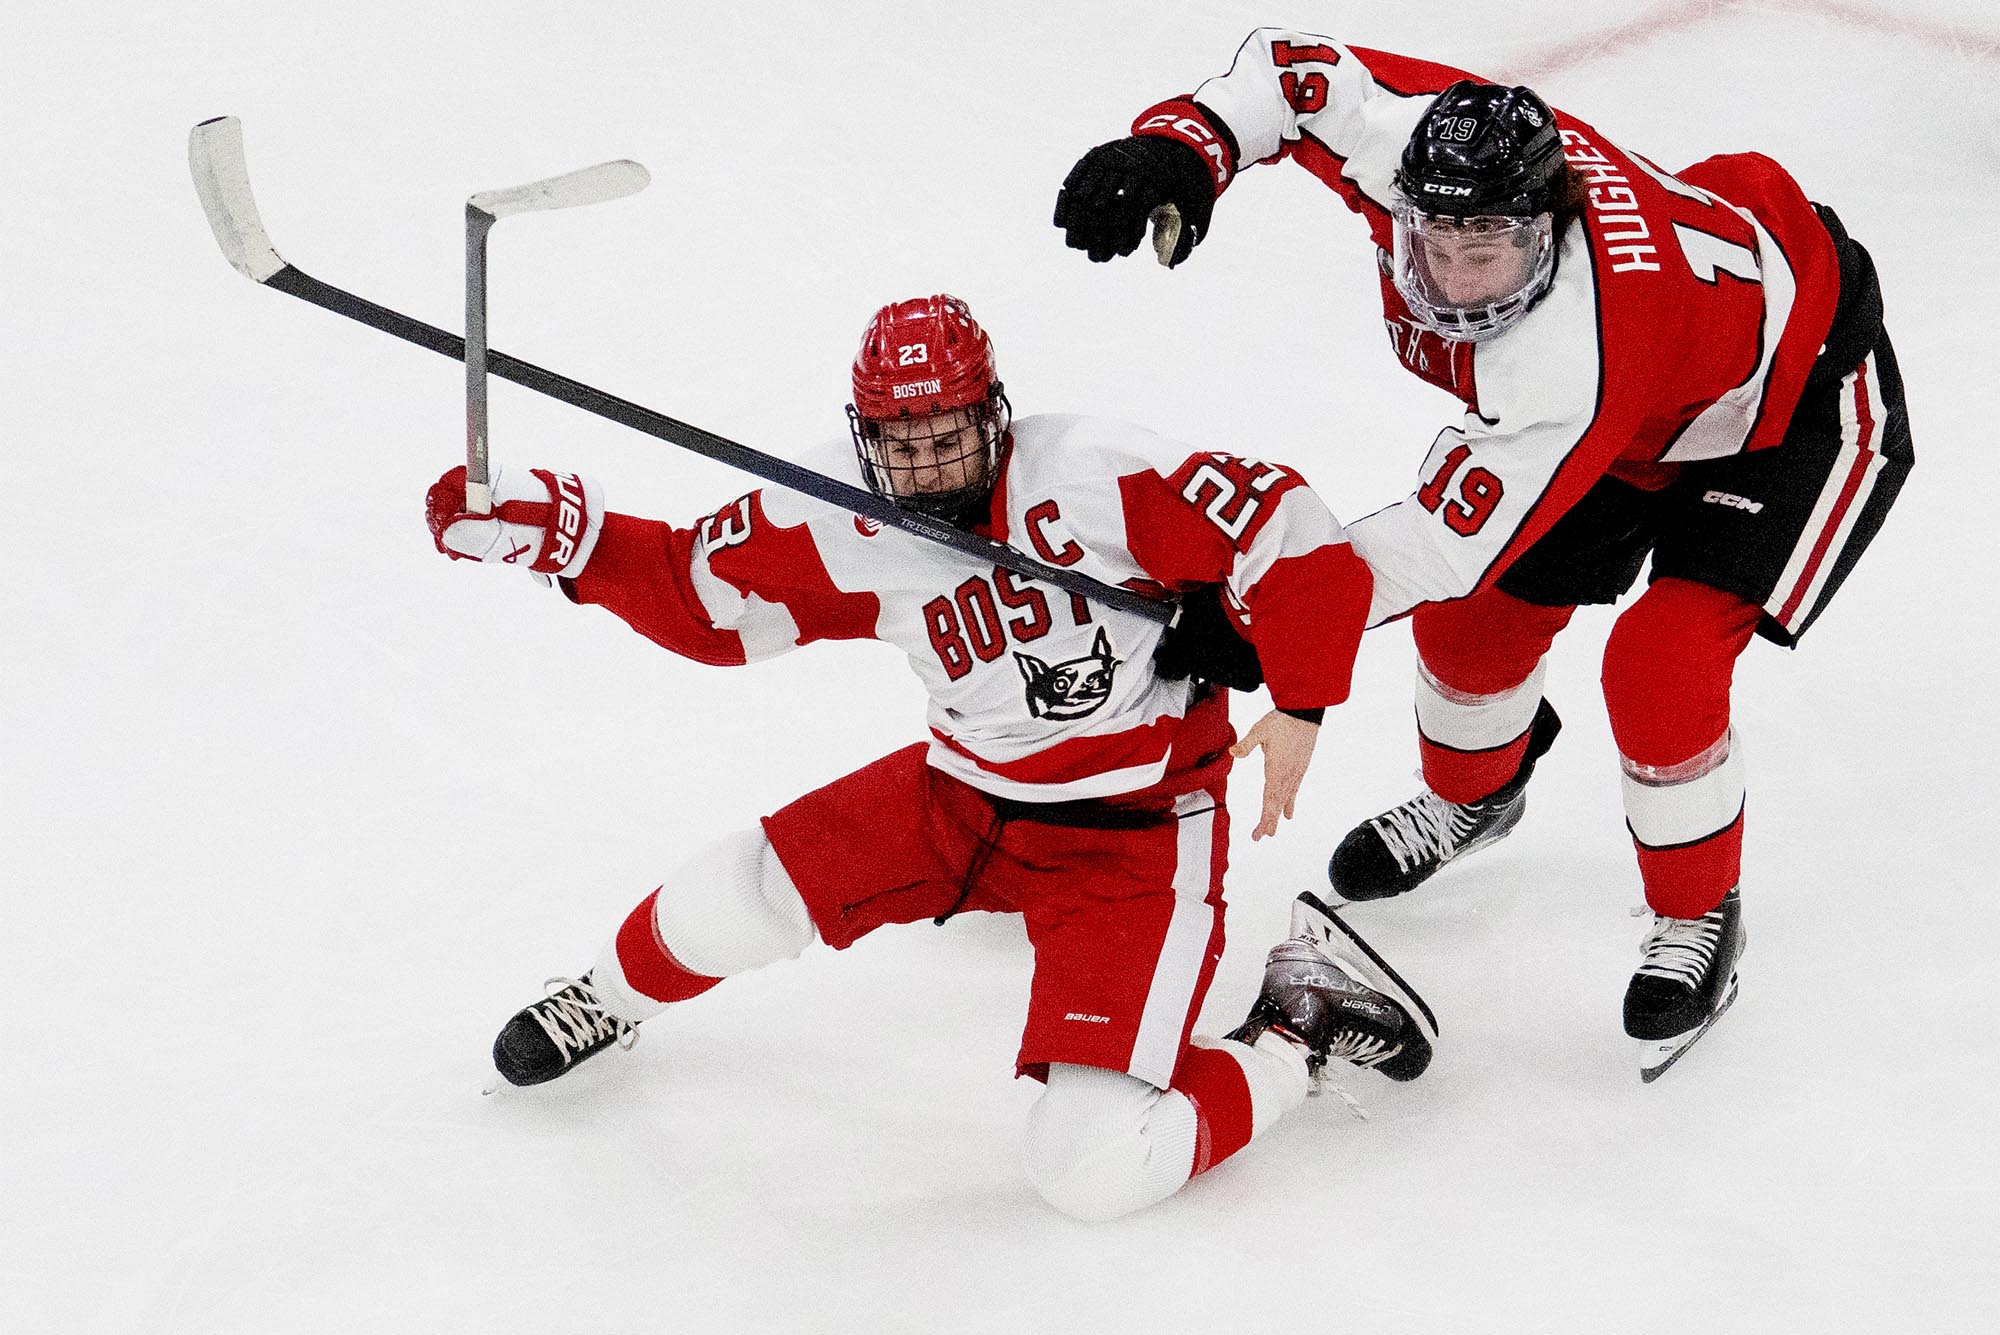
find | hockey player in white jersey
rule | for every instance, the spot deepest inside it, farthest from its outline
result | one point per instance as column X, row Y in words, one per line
column 1066, row 777
column 1689, row 367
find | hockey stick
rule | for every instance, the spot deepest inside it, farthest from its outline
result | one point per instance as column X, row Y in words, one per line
column 591, row 185
column 1166, row 224
column 222, row 180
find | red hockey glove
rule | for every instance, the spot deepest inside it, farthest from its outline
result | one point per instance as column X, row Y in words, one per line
column 542, row 521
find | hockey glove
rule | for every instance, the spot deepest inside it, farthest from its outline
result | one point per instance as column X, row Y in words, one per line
column 1202, row 641
column 542, row 521
column 1114, row 188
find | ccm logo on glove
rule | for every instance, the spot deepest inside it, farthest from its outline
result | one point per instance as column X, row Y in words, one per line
column 1195, row 132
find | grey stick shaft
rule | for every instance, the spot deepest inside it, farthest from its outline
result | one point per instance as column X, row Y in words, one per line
column 588, row 185
column 478, row 483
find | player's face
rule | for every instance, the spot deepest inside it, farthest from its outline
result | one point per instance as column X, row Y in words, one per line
column 1473, row 261
column 1471, row 279
column 928, row 455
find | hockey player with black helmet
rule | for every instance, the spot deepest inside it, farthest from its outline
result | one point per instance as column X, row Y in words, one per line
column 1475, row 207
column 1686, row 366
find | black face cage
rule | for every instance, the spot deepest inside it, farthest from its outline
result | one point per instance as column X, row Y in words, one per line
column 954, row 488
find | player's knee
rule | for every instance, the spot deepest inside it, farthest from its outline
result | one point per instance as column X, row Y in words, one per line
column 1487, row 643
column 733, row 907
column 1668, row 665
column 1101, row 1144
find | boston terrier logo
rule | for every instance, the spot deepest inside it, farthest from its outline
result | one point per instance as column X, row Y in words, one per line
column 1070, row 689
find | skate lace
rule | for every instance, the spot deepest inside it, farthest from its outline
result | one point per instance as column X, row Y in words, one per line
column 1423, row 828
column 1351, row 1045
column 1681, row 948
column 576, row 1021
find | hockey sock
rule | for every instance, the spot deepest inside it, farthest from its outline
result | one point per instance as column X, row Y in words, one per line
column 731, row 906
column 1101, row 1144
column 1668, row 666
column 1238, row 1090
column 1471, row 745
column 1479, row 683
column 636, row 976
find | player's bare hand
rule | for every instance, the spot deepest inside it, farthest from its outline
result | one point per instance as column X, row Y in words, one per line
column 1287, row 744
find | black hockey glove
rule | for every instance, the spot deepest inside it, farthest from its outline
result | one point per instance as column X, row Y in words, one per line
column 1114, row 188
column 1203, row 642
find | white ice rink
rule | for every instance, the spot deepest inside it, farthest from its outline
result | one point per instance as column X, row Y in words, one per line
column 294, row 813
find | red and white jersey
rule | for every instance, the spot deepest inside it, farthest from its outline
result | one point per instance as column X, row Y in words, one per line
column 1035, row 693
column 1686, row 311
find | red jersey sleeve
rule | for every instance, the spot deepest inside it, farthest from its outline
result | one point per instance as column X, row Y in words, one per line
column 1298, row 590
column 737, row 587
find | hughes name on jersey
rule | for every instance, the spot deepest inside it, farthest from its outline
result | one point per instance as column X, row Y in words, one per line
column 1685, row 312
column 1036, row 694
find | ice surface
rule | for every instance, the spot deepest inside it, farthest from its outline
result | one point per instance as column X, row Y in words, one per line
column 293, row 813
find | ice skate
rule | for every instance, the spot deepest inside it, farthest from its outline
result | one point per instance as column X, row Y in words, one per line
column 566, row 1027
column 1684, row 983
column 1325, row 987
column 1405, row 846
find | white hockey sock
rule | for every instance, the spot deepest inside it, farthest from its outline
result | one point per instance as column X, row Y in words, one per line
column 1101, row 1144
column 729, row 908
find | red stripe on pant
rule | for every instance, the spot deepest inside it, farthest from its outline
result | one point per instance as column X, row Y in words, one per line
column 1688, row 880
column 1864, row 415
column 649, row 966
column 1211, row 1080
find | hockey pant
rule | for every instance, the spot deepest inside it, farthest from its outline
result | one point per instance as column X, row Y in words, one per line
column 1099, row 1142
column 1668, row 667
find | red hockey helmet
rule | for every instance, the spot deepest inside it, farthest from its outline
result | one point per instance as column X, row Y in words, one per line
column 929, row 414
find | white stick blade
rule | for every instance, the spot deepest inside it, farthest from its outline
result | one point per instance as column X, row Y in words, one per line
column 590, row 185
column 222, row 180
column 1166, row 221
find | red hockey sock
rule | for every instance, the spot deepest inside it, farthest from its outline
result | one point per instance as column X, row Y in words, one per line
column 648, row 965
column 1479, row 686
column 1689, row 880
column 1213, row 1081
column 1668, row 665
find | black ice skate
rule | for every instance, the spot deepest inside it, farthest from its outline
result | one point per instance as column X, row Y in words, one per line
column 1326, row 988
column 1406, row 845
column 1684, row 983
column 564, row 1028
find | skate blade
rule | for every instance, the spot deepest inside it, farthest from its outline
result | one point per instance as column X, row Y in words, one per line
column 497, row 1083
column 1350, row 949
column 1656, row 1055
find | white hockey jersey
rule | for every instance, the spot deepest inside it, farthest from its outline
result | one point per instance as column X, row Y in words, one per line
column 1035, row 693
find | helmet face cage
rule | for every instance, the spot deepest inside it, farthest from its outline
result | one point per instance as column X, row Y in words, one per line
column 940, row 464
column 1475, row 200
column 1471, row 278
column 929, row 417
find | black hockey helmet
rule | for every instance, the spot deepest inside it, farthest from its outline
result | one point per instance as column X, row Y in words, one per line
column 1475, row 204
column 1483, row 150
